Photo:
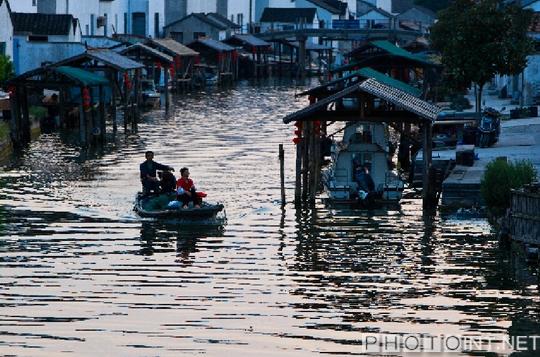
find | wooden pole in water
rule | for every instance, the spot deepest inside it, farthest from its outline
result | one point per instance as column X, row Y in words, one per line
column 82, row 121
column 282, row 174
column 102, row 114
column 426, row 152
column 126, row 106
column 306, row 166
column 166, row 88
column 298, row 179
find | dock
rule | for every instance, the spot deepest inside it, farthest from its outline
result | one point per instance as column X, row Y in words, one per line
column 519, row 140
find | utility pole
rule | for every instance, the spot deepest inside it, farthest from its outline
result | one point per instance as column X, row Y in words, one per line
column 250, row 26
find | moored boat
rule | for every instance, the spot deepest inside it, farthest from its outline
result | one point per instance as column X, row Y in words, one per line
column 364, row 144
column 158, row 206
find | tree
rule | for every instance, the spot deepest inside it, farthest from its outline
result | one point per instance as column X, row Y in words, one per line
column 6, row 68
column 479, row 39
column 433, row 5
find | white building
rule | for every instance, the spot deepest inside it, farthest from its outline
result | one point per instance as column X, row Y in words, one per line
column 6, row 30
column 23, row 5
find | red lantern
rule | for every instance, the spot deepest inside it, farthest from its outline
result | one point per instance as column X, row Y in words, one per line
column 197, row 59
column 253, row 50
column 127, row 81
column 312, row 99
column 299, row 125
column 173, row 71
column 296, row 141
column 12, row 90
column 158, row 65
column 235, row 55
column 298, row 132
column 317, row 127
column 178, row 61
column 86, row 99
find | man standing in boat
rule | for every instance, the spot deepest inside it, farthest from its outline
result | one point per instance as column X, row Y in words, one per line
column 149, row 178
column 186, row 190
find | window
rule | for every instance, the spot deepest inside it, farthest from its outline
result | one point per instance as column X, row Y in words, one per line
column 197, row 35
column 178, row 36
column 38, row 38
column 156, row 25
column 106, row 24
column 125, row 22
column 34, row 2
column 92, row 24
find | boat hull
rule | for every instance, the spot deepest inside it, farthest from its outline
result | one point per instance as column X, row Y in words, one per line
column 155, row 206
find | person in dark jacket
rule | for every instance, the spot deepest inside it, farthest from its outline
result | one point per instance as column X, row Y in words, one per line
column 148, row 169
column 364, row 179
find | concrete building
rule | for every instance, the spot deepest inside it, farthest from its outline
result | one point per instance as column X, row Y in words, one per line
column 23, row 5
column 199, row 25
column 416, row 18
column 6, row 30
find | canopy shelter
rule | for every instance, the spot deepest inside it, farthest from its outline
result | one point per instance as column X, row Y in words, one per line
column 154, row 61
column 219, row 55
column 183, row 56
column 377, row 99
column 337, row 85
column 255, row 50
column 386, row 57
column 123, row 73
column 77, row 89
column 290, row 52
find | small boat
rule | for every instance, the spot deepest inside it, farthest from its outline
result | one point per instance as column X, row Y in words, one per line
column 368, row 144
column 150, row 96
column 158, row 206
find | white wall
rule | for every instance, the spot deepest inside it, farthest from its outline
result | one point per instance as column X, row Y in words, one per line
column 237, row 7
column 386, row 5
column 22, row 6
column 202, row 6
column 32, row 55
column 6, row 30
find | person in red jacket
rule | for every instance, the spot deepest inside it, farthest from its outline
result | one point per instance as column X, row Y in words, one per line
column 186, row 191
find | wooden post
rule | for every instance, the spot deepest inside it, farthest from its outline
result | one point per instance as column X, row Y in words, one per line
column 126, row 107
column 15, row 118
column 306, row 167
column 282, row 174
column 302, row 57
column 426, row 152
column 138, row 95
column 102, row 114
column 298, row 179
column 166, row 88
column 25, row 125
column 82, row 121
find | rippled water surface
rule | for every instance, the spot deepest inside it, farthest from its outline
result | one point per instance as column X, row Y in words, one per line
column 81, row 274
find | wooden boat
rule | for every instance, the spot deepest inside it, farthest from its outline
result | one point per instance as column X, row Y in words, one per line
column 157, row 206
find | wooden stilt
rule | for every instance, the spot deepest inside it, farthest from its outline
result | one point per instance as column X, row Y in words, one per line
column 102, row 115
column 427, row 194
column 166, row 88
column 282, row 174
column 298, row 179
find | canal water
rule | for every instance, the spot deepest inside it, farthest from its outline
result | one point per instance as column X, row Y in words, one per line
column 81, row 274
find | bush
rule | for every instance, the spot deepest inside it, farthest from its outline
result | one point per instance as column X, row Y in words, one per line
column 37, row 112
column 6, row 68
column 501, row 177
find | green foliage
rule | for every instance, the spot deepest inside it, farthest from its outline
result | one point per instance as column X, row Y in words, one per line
column 6, row 68
column 4, row 131
column 501, row 177
column 433, row 5
column 478, row 39
column 37, row 112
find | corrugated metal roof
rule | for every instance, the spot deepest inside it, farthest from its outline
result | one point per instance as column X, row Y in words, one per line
column 252, row 40
column 213, row 44
column 398, row 51
column 400, row 98
column 149, row 50
column 368, row 72
column 390, row 94
column 84, row 77
column 383, row 78
column 174, row 47
column 113, row 59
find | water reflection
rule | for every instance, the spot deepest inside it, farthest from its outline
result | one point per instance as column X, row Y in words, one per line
column 82, row 273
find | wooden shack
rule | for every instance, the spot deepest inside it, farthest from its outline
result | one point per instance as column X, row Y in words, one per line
column 184, row 60
column 378, row 98
column 124, row 75
column 216, row 56
column 524, row 215
column 79, row 89
column 255, row 55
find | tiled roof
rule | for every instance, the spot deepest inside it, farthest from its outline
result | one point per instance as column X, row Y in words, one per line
column 172, row 46
column 149, row 50
column 213, row 44
column 212, row 19
column 251, row 40
column 288, row 15
column 42, row 24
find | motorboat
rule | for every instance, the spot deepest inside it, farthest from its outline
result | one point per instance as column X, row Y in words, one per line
column 150, row 96
column 365, row 145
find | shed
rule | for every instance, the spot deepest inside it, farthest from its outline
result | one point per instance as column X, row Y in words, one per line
column 219, row 55
column 256, row 53
column 197, row 25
